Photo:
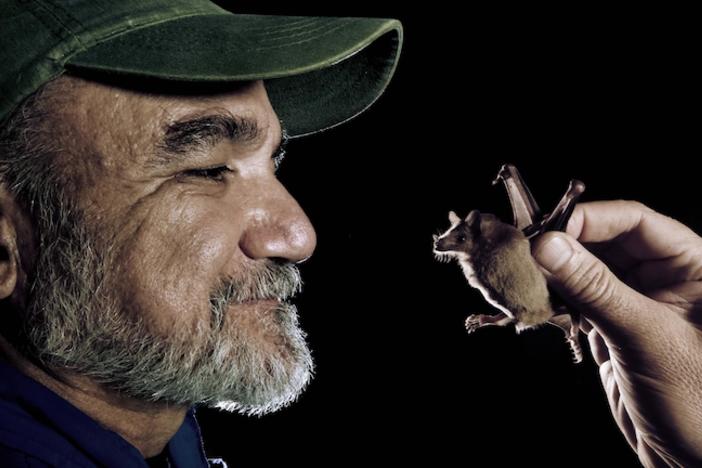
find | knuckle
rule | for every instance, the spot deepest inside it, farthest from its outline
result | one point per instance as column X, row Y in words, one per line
column 635, row 205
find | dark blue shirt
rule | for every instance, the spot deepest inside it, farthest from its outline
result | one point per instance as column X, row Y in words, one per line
column 38, row 428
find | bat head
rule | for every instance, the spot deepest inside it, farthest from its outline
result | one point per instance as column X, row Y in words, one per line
column 459, row 240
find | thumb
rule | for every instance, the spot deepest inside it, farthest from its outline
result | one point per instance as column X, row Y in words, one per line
column 588, row 285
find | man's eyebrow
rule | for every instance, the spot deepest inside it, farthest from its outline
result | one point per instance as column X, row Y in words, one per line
column 204, row 132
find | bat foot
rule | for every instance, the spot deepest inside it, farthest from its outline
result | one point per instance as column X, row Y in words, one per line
column 576, row 349
column 570, row 324
column 473, row 322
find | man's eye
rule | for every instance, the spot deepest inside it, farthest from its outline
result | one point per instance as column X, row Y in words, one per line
column 213, row 173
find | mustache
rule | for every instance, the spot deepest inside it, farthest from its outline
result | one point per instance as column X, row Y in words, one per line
column 268, row 280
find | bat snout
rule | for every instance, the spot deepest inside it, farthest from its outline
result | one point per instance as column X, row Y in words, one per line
column 439, row 245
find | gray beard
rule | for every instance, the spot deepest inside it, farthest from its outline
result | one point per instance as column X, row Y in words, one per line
column 73, row 323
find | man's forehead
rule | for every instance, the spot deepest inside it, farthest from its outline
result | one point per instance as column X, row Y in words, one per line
column 132, row 120
column 238, row 99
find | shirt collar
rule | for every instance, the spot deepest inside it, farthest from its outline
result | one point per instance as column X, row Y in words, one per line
column 85, row 436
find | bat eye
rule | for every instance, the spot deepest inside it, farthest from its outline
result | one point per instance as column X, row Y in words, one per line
column 461, row 238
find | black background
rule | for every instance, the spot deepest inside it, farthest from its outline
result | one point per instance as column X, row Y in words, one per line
column 605, row 96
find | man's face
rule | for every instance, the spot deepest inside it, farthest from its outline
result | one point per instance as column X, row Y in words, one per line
column 189, row 241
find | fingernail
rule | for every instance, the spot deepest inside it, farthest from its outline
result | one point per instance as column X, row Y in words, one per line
column 554, row 253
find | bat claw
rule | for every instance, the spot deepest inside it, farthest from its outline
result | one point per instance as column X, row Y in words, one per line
column 473, row 322
column 503, row 173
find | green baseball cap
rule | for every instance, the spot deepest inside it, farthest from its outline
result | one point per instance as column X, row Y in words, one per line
column 319, row 71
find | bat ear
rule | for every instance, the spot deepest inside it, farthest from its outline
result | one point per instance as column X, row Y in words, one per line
column 473, row 216
column 473, row 222
column 453, row 217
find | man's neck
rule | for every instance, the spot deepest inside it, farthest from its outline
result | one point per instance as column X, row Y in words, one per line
column 147, row 426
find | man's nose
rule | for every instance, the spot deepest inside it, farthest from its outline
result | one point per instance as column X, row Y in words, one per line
column 278, row 228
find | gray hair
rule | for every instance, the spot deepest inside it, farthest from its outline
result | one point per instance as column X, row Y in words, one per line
column 27, row 162
column 29, row 174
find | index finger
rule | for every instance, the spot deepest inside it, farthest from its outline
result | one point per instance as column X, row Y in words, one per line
column 642, row 232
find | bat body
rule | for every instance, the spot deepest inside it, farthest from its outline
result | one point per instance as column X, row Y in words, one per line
column 496, row 259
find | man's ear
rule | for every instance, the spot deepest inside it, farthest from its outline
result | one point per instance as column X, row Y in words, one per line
column 8, row 247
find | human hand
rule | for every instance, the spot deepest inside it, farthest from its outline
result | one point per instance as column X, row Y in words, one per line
column 641, row 307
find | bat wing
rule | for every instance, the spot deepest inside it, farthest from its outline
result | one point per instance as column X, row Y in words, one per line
column 525, row 210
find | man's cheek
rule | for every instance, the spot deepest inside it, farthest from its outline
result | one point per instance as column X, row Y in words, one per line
column 213, row 252
column 208, row 230
column 164, row 284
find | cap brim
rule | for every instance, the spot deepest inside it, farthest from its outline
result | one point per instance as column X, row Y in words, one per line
column 319, row 71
